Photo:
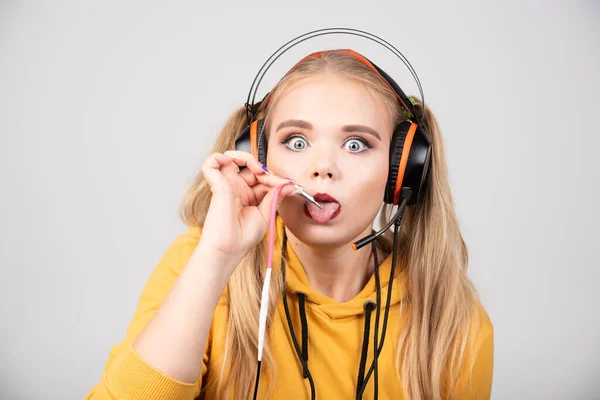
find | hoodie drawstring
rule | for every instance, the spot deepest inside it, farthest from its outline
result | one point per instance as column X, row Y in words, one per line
column 369, row 306
column 304, row 323
column 301, row 353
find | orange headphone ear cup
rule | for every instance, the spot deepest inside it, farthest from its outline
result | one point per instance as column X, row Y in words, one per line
column 252, row 140
column 410, row 153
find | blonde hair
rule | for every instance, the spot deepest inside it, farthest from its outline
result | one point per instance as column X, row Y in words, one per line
column 440, row 311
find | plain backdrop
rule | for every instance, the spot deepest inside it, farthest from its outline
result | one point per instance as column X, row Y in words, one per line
column 108, row 109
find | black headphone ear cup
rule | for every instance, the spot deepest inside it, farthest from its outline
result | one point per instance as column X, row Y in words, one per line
column 244, row 141
column 262, row 142
column 410, row 156
column 417, row 165
column 396, row 147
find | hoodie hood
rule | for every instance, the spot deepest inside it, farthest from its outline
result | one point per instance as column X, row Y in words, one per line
column 297, row 281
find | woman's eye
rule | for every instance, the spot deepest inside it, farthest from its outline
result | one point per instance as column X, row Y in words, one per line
column 295, row 143
column 354, row 144
column 357, row 145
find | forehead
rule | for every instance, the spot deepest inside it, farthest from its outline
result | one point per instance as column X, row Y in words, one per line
column 327, row 101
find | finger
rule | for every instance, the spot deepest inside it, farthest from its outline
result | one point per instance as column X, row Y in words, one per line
column 252, row 179
column 230, row 170
column 245, row 159
column 249, row 177
column 272, row 180
column 216, row 160
column 211, row 170
column 267, row 202
column 256, row 194
column 260, row 191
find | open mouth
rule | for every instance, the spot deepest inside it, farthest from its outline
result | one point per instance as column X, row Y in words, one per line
column 331, row 208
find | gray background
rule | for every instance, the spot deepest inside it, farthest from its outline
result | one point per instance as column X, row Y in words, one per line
column 108, row 110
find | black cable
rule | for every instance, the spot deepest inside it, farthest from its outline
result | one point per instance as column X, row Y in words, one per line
column 404, row 193
column 368, row 306
column 397, row 222
column 257, row 379
column 376, row 330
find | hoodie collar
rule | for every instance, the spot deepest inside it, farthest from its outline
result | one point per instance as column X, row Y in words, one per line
column 297, row 281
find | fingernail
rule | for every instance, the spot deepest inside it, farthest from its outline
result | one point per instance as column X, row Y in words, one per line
column 266, row 170
column 291, row 180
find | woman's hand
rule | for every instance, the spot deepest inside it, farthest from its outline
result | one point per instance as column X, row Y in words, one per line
column 240, row 208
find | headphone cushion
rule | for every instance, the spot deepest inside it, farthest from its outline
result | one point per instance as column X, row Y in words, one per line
column 262, row 142
column 396, row 148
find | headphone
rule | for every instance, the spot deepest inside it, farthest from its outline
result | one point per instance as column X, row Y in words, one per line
column 410, row 148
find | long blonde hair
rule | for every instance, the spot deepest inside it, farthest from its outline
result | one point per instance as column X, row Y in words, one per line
column 440, row 315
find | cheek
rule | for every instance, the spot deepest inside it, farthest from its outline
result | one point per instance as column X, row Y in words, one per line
column 368, row 186
column 279, row 163
column 370, row 175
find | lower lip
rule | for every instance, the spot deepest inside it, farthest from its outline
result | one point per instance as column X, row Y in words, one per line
column 335, row 214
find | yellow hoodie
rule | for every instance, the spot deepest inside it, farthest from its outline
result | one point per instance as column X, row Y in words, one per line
column 334, row 333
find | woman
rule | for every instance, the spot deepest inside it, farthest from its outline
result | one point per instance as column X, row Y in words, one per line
column 329, row 125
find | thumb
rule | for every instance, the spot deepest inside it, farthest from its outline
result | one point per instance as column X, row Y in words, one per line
column 282, row 191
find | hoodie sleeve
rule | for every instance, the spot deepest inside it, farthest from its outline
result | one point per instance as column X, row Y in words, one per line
column 477, row 380
column 127, row 376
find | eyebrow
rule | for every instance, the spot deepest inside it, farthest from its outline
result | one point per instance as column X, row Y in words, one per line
column 298, row 123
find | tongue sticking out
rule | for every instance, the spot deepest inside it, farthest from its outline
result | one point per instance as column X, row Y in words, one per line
column 324, row 215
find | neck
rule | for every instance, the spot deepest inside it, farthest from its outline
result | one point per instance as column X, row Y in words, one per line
column 339, row 273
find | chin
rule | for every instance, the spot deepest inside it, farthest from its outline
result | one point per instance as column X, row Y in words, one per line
column 333, row 234
column 317, row 238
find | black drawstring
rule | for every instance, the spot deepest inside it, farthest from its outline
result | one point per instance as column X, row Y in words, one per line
column 313, row 394
column 304, row 323
column 369, row 306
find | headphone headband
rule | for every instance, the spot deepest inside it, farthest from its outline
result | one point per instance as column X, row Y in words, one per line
column 402, row 98
column 252, row 110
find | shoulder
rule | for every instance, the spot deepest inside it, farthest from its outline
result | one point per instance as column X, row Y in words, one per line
column 477, row 370
column 183, row 244
column 191, row 236
column 481, row 321
column 482, row 324
column 480, row 331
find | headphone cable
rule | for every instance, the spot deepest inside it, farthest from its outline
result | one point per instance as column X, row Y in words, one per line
column 397, row 220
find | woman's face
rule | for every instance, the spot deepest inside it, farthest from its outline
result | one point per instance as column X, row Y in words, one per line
column 332, row 136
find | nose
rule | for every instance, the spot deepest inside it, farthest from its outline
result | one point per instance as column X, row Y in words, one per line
column 316, row 174
column 324, row 166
